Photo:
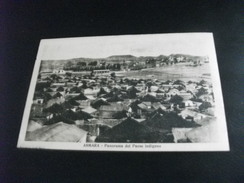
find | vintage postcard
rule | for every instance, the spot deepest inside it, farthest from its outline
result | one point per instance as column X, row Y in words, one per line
column 156, row 92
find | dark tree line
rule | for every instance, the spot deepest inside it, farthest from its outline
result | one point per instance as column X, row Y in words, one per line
column 83, row 66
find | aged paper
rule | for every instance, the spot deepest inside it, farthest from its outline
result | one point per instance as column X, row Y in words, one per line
column 156, row 92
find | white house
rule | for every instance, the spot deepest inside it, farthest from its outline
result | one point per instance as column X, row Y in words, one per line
column 188, row 103
column 90, row 91
column 90, row 110
column 154, row 88
column 185, row 95
column 180, row 58
column 56, row 71
column 190, row 113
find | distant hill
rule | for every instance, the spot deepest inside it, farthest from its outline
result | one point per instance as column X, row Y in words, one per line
column 161, row 57
column 59, row 64
column 121, row 57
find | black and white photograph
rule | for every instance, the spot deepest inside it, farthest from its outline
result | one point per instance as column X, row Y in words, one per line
column 155, row 92
column 121, row 91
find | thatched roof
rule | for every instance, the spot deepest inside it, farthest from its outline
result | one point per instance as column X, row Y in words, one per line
column 149, row 98
column 58, row 94
column 58, row 132
column 168, row 121
column 81, row 96
column 101, row 92
column 128, row 130
column 89, row 110
column 113, row 107
column 96, row 104
column 33, row 125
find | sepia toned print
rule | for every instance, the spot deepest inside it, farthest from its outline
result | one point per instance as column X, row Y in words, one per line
column 156, row 92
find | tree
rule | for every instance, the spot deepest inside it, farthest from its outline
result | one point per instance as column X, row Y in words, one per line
column 68, row 74
column 201, row 91
column 68, row 65
column 120, row 114
column 178, row 82
column 53, row 76
column 55, row 109
column 204, row 106
column 83, row 115
column 132, row 92
column 113, row 75
column 81, row 64
column 118, row 67
column 93, row 63
column 84, row 84
column 41, row 86
column 69, row 114
column 73, row 102
column 134, row 105
column 121, row 81
column 176, row 99
column 46, row 96
column 67, row 105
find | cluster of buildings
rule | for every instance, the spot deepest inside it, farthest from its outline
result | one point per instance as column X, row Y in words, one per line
column 108, row 108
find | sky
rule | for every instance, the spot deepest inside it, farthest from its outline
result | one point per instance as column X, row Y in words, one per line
column 198, row 44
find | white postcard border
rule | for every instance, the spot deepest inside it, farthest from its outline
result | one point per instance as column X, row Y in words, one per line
column 221, row 145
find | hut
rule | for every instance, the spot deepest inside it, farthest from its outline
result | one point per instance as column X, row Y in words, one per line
column 58, row 132
column 128, row 130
